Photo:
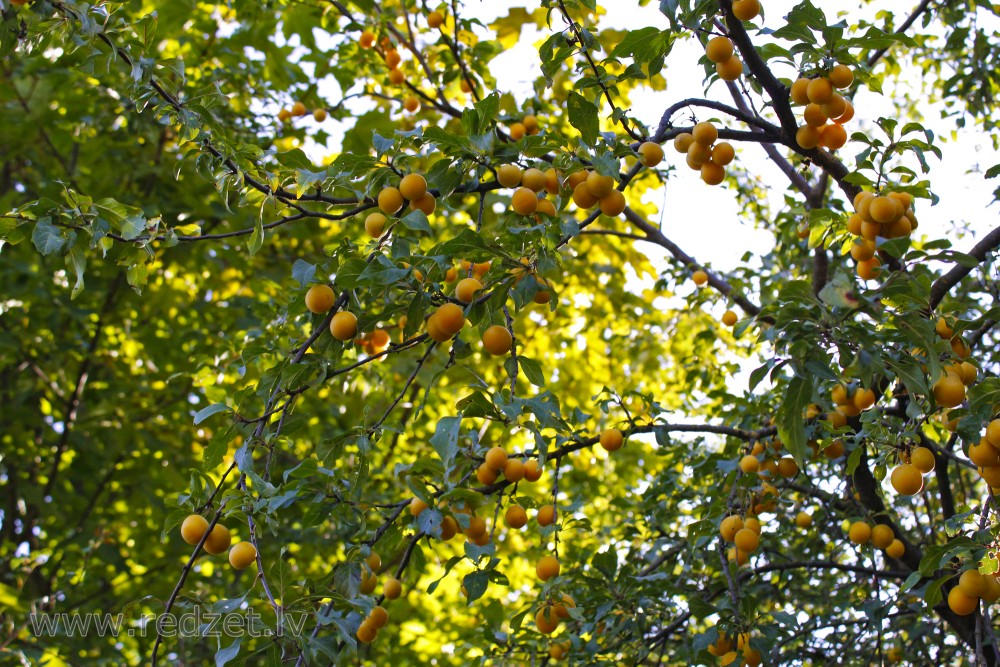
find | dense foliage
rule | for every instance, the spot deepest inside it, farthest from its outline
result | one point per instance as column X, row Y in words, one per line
column 177, row 177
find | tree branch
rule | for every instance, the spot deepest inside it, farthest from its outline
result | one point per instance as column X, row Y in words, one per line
column 828, row 565
column 776, row 90
column 666, row 131
column 798, row 181
column 945, row 283
column 654, row 235
column 910, row 20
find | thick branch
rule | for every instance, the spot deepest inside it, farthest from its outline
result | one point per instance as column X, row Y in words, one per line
column 868, row 492
column 776, row 90
column 945, row 283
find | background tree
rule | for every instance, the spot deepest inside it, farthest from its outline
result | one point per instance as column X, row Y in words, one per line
column 196, row 196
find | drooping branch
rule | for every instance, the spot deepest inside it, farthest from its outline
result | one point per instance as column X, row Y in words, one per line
column 781, row 103
column 207, row 145
column 787, row 168
column 185, row 571
column 572, row 446
column 767, row 132
column 654, row 235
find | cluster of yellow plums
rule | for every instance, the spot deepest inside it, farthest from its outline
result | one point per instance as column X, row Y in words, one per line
column 393, row 61
column 851, row 403
column 378, row 618
column 880, row 535
column 986, row 454
column 412, row 189
column 444, row 323
column 963, row 598
column 495, row 462
column 299, row 109
column 193, row 529
column 972, row 586
column 743, row 534
column 374, row 342
column 704, row 154
column 824, row 104
column 532, row 181
column 768, row 462
column 889, row 215
column 949, row 389
column 729, row 655
column 592, row 189
column 551, row 613
column 908, row 477
column 527, row 125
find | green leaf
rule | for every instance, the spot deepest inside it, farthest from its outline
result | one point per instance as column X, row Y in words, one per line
column 417, row 221
column 381, row 144
column 476, row 584
column 216, row 450
column 932, row 596
column 669, row 8
column 911, row 581
column 841, row 292
column 791, row 420
column 304, row 179
column 303, row 272
column 466, row 245
column 445, row 439
column 583, row 116
column 224, row 655
column 132, row 226
column 205, row 413
column 912, row 376
column 349, row 275
column 295, row 158
column 606, row 562
column 47, row 238
column 487, row 108
column 77, row 258
column 758, row 374
column 532, row 370
column 448, row 142
column 257, row 238
column 644, row 44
